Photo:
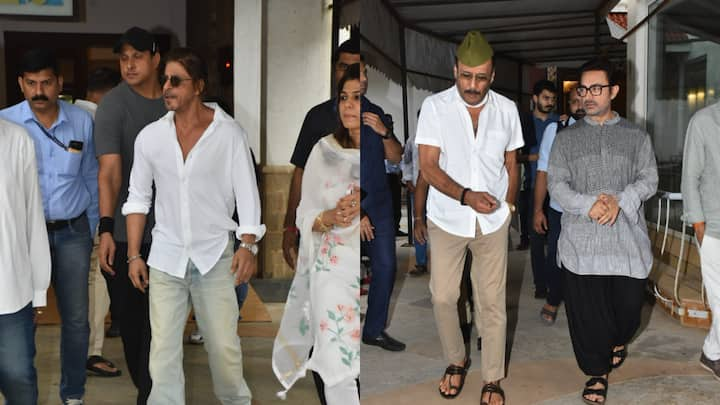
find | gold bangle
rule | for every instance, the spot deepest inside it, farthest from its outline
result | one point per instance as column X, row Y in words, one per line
column 323, row 227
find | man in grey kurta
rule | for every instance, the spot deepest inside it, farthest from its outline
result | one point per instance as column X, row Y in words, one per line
column 701, row 205
column 601, row 171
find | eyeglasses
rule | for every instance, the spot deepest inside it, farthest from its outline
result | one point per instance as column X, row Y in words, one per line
column 174, row 80
column 595, row 89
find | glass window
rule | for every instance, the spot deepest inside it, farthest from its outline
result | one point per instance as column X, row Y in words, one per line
column 683, row 77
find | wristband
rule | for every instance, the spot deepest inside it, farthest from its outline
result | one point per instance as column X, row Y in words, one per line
column 462, row 196
column 107, row 224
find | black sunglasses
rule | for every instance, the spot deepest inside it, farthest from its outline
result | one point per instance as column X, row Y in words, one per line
column 175, row 81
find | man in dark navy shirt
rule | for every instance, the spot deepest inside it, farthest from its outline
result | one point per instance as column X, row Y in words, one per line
column 320, row 121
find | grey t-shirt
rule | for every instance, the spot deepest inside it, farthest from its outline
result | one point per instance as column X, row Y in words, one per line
column 121, row 115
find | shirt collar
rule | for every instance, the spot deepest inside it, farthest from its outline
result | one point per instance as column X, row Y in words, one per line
column 27, row 114
column 487, row 101
column 220, row 115
column 612, row 121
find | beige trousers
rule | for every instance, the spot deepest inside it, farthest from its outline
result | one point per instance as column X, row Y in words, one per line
column 488, row 276
column 98, row 307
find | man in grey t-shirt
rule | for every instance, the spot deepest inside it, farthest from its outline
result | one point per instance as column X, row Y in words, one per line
column 601, row 171
column 124, row 111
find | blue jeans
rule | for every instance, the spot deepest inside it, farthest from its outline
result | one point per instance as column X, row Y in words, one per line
column 18, row 378
column 420, row 249
column 214, row 301
column 70, row 249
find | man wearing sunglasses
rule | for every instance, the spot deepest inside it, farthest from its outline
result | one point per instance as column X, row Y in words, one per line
column 601, row 171
column 197, row 160
column 65, row 150
column 122, row 113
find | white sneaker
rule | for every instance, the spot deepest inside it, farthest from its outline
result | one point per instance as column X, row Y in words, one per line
column 196, row 338
column 73, row 401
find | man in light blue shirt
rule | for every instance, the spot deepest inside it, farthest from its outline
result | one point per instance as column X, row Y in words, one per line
column 550, row 224
column 67, row 168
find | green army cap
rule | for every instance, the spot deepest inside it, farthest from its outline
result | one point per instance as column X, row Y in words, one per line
column 474, row 50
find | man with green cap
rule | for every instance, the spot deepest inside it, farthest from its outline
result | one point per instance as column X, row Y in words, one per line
column 467, row 138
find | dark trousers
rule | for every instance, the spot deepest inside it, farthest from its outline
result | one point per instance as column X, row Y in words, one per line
column 553, row 273
column 524, row 209
column 466, row 298
column 395, row 182
column 538, row 258
column 132, row 307
column 603, row 312
column 18, row 377
column 383, row 262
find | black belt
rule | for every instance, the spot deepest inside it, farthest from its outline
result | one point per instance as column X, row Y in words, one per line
column 61, row 223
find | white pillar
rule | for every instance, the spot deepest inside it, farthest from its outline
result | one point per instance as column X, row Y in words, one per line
column 247, row 70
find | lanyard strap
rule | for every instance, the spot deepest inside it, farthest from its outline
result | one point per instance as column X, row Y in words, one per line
column 51, row 136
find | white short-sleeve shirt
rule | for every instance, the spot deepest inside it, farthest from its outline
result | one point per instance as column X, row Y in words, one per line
column 476, row 162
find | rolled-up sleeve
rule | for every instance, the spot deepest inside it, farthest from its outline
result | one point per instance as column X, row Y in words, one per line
column 141, row 179
column 247, row 197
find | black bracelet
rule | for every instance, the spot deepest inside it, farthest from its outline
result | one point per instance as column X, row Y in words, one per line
column 387, row 135
column 462, row 196
column 107, row 224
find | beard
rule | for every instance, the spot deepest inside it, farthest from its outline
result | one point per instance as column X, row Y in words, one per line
column 546, row 109
column 578, row 114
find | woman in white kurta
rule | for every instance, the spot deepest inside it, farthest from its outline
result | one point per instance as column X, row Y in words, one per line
column 322, row 312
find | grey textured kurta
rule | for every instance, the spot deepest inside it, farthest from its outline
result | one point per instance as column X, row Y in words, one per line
column 588, row 159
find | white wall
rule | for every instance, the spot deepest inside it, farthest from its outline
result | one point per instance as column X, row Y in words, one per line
column 298, row 62
column 104, row 17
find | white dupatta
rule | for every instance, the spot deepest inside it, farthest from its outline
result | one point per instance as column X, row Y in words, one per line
column 323, row 306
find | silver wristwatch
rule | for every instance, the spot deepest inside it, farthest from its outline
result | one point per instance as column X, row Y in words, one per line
column 252, row 247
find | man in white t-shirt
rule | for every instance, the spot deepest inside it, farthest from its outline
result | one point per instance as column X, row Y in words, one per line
column 467, row 138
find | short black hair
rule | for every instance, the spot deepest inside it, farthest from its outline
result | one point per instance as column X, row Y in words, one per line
column 103, row 78
column 192, row 62
column 600, row 64
column 36, row 60
column 542, row 85
column 352, row 46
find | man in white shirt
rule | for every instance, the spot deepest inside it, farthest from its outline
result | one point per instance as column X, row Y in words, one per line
column 199, row 161
column 24, row 263
column 467, row 138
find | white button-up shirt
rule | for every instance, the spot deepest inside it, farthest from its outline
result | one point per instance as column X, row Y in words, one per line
column 476, row 161
column 195, row 198
column 24, row 249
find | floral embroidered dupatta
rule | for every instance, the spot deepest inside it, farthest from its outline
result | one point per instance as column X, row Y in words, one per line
column 323, row 307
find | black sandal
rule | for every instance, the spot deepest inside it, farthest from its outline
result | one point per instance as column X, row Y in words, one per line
column 595, row 391
column 552, row 315
column 452, row 370
column 620, row 354
column 492, row 388
column 91, row 365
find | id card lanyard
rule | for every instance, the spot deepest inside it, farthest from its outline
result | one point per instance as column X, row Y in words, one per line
column 51, row 136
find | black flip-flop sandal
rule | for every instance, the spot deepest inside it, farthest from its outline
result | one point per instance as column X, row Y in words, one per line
column 90, row 365
column 546, row 312
column 492, row 388
column 595, row 391
column 452, row 370
column 620, row 354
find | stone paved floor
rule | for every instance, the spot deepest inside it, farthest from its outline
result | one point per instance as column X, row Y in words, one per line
column 662, row 367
